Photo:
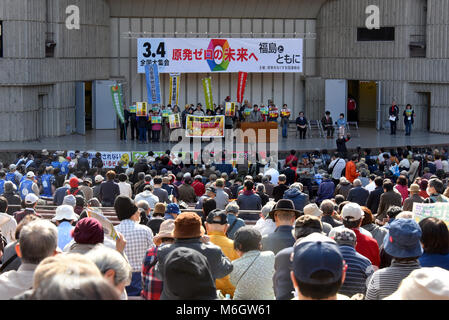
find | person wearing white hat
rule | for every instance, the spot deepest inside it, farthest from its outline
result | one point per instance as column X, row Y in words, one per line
column 313, row 210
column 28, row 186
column 64, row 218
column 31, row 201
column 423, row 284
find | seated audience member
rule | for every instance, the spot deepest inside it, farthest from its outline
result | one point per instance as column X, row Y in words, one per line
column 12, row 197
column 359, row 267
column 157, row 218
column 318, row 269
column 279, row 190
column 30, row 205
column 38, row 240
column 253, row 272
column 188, row 276
column 377, row 232
column 188, row 233
column 235, row 223
column 139, row 239
column 216, row 227
column 151, row 285
column 343, row 188
column 389, row 198
column 56, row 277
column 358, row 194
column 249, row 200
column 113, row 266
column 402, row 242
column 328, row 209
column 265, row 224
column 414, row 197
column 8, row 224
column 284, row 215
column 435, row 242
column 423, row 284
column 325, row 190
column 313, row 210
column 148, row 196
column 283, row 286
column 64, row 219
column 299, row 198
column 172, row 211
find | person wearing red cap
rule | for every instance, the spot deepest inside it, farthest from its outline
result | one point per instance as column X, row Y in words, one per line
column 74, row 188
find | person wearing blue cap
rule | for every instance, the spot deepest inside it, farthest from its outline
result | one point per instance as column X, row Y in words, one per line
column 172, row 211
column 318, row 269
column 402, row 242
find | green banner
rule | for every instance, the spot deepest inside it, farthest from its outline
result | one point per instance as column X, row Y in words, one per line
column 116, row 92
column 207, row 85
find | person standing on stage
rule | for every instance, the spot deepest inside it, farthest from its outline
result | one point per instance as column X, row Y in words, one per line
column 328, row 124
column 199, row 111
column 393, row 112
column 409, row 115
column 124, row 126
column 156, row 127
column 285, row 116
column 142, row 126
column 273, row 113
column 301, row 124
column 352, row 109
column 255, row 115
column 134, row 128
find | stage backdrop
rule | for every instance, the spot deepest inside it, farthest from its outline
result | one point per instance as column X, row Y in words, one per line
column 203, row 55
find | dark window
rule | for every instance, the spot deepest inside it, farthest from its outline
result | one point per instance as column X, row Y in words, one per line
column 382, row 34
column 1, row 39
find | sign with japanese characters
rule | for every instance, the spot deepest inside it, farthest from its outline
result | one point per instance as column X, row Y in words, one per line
column 207, row 55
column 174, row 121
column 205, row 127
column 438, row 210
column 110, row 159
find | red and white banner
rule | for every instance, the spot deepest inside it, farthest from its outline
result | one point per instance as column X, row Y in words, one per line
column 243, row 76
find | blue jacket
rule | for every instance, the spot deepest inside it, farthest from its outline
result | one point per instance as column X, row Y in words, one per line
column 325, row 191
column 2, row 188
column 300, row 200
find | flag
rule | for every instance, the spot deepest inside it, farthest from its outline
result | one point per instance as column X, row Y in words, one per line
column 116, row 92
column 243, row 76
column 153, row 85
column 174, row 89
column 207, row 85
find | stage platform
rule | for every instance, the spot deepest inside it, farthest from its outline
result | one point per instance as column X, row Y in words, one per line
column 108, row 140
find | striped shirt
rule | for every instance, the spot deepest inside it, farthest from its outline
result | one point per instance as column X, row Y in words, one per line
column 359, row 270
column 139, row 239
column 385, row 282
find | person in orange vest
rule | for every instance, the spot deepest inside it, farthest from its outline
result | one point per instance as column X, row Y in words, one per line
column 351, row 169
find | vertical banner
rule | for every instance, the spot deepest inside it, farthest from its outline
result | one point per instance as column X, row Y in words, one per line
column 153, row 85
column 116, row 92
column 174, row 89
column 243, row 76
column 207, row 85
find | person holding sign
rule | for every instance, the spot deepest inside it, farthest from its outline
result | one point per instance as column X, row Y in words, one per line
column 273, row 113
column 285, row 116
column 301, row 124
column 409, row 115
column 142, row 126
column 393, row 113
column 156, row 124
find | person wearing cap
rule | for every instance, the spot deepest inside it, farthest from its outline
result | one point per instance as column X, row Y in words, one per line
column 11, row 196
column 30, row 201
column 216, row 227
column 64, row 219
column 366, row 245
column 282, row 283
column 28, row 186
column 172, row 211
column 435, row 242
column 318, row 269
column 414, row 197
column 358, row 194
column 148, row 196
column 359, row 267
column 186, row 192
column 139, row 239
column 87, row 233
column 313, row 210
column 96, row 188
column 151, row 285
column 284, row 215
column 343, row 187
column 74, row 190
column 188, row 233
column 235, row 223
column 423, row 284
column 158, row 215
column 402, row 242
column 86, row 189
column 210, row 194
column 38, row 240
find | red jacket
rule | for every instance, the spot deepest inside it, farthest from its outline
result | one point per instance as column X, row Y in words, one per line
column 367, row 247
column 199, row 188
column 351, row 171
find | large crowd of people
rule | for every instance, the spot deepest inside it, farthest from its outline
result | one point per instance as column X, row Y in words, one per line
column 312, row 226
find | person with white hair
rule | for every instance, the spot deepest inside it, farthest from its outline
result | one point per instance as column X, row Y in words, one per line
column 38, row 240
column 235, row 223
column 343, row 187
column 265, row 224
column 114, row 267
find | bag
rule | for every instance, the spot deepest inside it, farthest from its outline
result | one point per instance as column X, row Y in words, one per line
column 247, row 270
column 230, row 227
column 332, row 169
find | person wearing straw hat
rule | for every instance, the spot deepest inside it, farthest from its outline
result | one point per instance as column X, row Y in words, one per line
column 152, row 286
column 414, row 197
column 284, row 215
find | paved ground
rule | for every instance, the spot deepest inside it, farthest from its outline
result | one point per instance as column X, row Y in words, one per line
column 108, row 140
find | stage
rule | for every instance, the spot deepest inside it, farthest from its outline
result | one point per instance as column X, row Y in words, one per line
column 108, row 140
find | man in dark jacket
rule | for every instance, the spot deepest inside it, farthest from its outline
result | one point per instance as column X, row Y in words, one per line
column 374, row 197
column 389, row 198
column 328, row 209
column 326, row 189
column 358, row 194
column 83, row 162
column 12, row 198
column 284, row 215
column 249, row 200
column 109, row 190
column 187, row 233
column 140, row 166
column 300, row 199
column 278, row 191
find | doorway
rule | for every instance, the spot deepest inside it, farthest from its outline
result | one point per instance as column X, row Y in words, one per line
column 364, row 93
column 422, row 111
column 88, row 104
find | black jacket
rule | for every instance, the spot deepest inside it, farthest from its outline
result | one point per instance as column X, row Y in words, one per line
column 373, row 200
column 282, row 283
column 280, row 239
column 358, row 195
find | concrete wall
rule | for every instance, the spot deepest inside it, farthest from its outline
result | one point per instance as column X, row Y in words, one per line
column 80, row 55
column 341, row 56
